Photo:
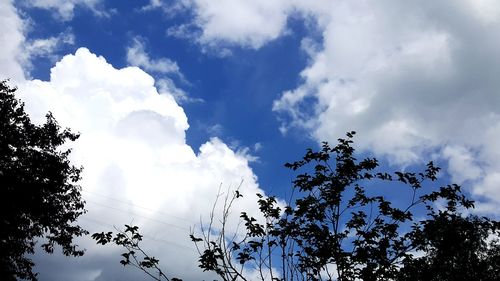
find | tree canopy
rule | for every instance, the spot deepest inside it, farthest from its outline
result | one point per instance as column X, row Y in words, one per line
column 338, row 227
column 39, row 194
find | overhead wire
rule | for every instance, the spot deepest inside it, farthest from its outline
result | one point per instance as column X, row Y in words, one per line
column 134, row 205
column 130, row 212
column 138, row 215
column 145, row 235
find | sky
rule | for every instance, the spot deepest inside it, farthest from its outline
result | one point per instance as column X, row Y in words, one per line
column 178, row 101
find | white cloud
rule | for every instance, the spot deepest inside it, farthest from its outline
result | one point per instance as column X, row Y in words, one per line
column 45, row 47
column 11, row 39
column 137, row 56
column 461, row 164
column 167, row 85
column 247, row 23
column 138, row 167
column 65, row 8
column 17, row 51
column 153, row 4
column 411, row 78
column 244, row 22
column 42, row 47
column 169, row 8
column 163, row 68
column 221, row 24
column 133, row 149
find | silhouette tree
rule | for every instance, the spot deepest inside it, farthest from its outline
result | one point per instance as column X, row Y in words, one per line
column 336, row 227
column 39, row 195
column 456, row 248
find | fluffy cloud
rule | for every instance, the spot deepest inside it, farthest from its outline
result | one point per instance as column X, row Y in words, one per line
column 137, row 165
column 226, row 22
column 412, row 79
column 17, row 51
column 249, row 23
column 11, row 38
column 217, row 25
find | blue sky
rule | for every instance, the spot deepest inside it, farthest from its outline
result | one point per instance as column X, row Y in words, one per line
column 176, row 98
column 232, row 96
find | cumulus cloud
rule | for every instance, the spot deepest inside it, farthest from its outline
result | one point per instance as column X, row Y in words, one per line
column 18, row 51
column 64, row 9
column 11, row 38
column 411, row 78
column 137, row 165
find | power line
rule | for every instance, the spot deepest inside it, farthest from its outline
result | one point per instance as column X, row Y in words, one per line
column 136, row 206
column 142, row 216
column 138, row 215
column 149, row 237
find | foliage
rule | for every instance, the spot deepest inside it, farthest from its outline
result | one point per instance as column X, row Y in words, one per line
column 457, row 248
column 337, row 228
column 39, row 195
column 135, row 255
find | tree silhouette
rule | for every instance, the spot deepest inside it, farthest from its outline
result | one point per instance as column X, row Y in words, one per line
column 39, row 194
column 336, row 227
column 456, row 248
